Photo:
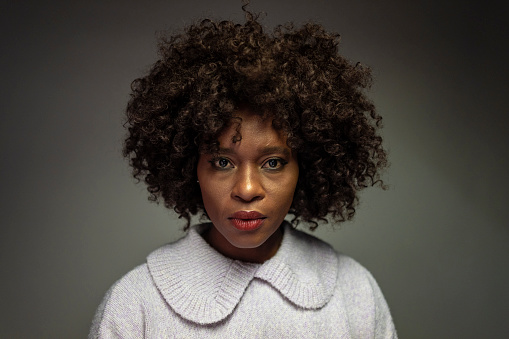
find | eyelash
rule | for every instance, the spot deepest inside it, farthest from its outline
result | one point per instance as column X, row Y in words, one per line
column 215, row 163
column 281, row 163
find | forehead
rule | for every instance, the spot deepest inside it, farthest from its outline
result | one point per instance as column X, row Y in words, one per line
column 248, row 128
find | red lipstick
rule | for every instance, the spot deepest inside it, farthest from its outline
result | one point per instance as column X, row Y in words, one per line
column 247, row 220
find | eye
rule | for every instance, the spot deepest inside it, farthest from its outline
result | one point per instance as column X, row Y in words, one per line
column 274, row 163
column 221, row 163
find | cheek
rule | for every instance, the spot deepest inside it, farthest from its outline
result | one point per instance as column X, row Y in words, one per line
column 207, row 194
column 204, row 183
column 285, row 189
column 212, row 195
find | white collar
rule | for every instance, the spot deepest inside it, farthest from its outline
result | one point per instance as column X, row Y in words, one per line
column 203, row 286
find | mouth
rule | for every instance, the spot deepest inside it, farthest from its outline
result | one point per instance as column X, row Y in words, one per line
column 247, row 220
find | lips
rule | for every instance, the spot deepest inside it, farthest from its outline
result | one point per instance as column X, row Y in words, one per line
column 246, row 215
column 247, row 220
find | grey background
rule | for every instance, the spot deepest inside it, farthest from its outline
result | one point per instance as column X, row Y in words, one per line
column 73, row 221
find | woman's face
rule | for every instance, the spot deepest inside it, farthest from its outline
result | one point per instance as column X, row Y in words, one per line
column 248, row 188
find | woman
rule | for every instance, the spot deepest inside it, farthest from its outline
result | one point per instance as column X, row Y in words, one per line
column 247, row 127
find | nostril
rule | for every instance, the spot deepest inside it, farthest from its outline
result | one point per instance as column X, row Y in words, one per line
column 248, row 184
column 248, row 192
column 247, row 195
column 249, row 199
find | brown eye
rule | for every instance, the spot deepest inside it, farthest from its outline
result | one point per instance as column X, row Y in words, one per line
column 221, row 163
column 274, row 164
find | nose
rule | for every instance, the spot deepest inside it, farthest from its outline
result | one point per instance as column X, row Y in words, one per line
column 248, row 185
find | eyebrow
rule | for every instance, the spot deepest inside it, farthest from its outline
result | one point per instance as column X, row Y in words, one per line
column 263, row 151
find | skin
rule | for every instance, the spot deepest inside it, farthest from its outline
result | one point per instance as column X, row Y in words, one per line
column 258, row 173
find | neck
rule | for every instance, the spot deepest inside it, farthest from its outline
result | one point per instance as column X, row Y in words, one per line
column 258, row 254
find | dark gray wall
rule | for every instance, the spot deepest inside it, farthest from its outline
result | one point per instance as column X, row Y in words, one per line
column 73, row 221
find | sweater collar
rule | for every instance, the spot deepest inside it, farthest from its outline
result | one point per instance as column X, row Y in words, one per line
column 203, row 286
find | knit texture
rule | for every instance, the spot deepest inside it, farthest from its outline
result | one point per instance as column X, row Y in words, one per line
column 188, row 290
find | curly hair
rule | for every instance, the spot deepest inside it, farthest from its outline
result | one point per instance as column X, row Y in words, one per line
column 312, row 93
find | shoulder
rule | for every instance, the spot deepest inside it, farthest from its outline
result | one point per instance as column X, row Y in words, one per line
column 363, row 299
column 134, row 284
column 348, row 269
column 352, row 271
column 355, row 288
column 124, row 305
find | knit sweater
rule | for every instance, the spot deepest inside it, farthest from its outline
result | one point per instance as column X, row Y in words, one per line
column 187, row 289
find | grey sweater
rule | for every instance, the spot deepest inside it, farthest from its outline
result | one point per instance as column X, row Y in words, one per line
column 188, row 290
